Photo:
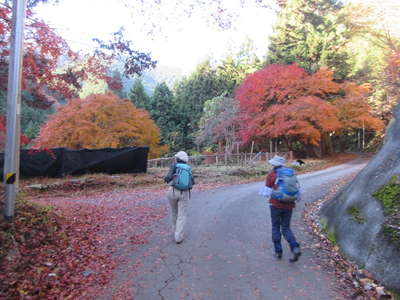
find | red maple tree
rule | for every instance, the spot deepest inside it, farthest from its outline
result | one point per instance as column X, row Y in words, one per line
column 283, row 101
column 23, row 139
column 52, row 71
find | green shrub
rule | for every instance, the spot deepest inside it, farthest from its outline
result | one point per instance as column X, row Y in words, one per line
column 355, row 213
column 389, row 197
column 330, row 233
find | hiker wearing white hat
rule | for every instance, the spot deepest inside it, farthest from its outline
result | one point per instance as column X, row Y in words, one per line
column 180, row 180
column 182, row 155
column 285, row 192
column 277, row 161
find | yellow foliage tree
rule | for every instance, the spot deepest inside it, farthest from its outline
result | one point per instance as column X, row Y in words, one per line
column 100, row 121
column 354, row 110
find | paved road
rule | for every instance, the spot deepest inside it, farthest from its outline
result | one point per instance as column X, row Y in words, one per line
column 228, row 251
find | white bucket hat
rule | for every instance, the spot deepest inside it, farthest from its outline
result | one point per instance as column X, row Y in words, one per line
column 277, row 161
column 182, row 155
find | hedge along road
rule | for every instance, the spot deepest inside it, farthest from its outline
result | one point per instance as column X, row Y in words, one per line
column 228, row 254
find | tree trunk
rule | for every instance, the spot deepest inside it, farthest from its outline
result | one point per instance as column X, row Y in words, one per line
column 342, row 141
column 326, row 144
column 288, row 144
column 220, row 147
column 313, row 151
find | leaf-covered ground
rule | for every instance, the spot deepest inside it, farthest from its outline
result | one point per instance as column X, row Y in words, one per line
column 354, row 281
column 69, row 234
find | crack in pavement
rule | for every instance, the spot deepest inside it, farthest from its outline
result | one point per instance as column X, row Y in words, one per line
column 163, row 256
column 173, row 276
column 228, row 251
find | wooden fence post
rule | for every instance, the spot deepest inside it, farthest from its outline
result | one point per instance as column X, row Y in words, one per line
column 241, row 159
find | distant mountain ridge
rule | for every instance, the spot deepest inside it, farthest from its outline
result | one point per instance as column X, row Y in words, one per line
column 151, row 78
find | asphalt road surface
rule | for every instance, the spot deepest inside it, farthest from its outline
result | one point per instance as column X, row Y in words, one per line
column 228, row 254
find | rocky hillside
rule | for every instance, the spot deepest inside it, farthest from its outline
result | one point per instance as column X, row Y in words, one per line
column 364, row 219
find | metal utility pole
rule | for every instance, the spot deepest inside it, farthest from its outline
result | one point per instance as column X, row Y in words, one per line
column 12, row 148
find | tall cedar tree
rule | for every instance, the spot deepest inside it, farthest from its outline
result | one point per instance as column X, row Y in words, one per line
column 99, row 121
column 138, row 95
column 235, row 66
column 190, row 95
column 164, row 113
column 312, row 33
column 284, row 101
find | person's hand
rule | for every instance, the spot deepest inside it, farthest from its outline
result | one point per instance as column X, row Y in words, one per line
column 265, row 191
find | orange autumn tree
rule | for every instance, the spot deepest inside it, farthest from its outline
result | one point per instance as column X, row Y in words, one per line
column 285, row 102
column 354, row 111
column 392, row 78
column 100, row 121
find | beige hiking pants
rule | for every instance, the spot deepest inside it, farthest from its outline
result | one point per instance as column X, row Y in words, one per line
column 178, row 201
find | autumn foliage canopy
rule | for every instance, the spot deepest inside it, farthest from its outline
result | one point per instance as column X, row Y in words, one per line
column 52, row 71
column 43, row 49
column 284, row 101
column 100, row 121
column 23, row 139
column 393, row 73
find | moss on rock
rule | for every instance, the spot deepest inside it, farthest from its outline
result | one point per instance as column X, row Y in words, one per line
column 355, row 213
column 329, row 232
column 389, row 197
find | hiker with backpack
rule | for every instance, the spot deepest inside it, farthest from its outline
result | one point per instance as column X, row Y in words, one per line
column 180, row 180
column 285, row 193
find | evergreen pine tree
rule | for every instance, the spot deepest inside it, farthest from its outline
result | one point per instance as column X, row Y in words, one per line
column 313, row 34
column 190, row 95
column 164, row 113
column 138, row 95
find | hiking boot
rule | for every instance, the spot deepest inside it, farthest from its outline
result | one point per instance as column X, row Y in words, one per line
column 295, row 254
column 278, row 255
column 179, row 240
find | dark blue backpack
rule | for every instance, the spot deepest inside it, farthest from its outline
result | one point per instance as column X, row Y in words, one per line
column 183, row 177
column 287, row 185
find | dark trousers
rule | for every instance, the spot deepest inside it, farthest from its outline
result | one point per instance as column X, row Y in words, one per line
column 280, row 219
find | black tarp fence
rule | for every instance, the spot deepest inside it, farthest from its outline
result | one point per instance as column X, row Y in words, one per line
column 59, row 162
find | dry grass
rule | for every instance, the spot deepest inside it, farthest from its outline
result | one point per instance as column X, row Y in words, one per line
column 97, row 183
